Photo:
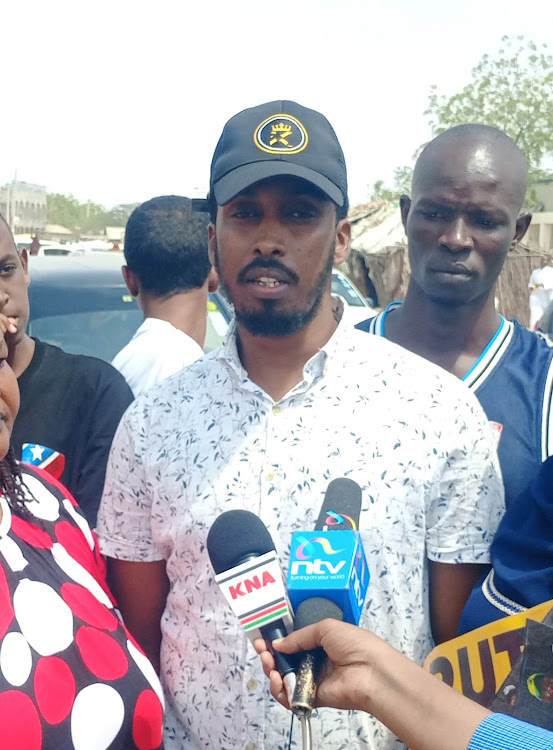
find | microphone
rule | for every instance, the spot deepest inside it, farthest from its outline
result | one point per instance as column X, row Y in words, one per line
column 341, row 506
column 248, row 573
column 328, row 577
column 309, row 612
column 330, row 561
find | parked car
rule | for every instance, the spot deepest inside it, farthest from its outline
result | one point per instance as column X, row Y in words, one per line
column 360, row 308
column 81, row 304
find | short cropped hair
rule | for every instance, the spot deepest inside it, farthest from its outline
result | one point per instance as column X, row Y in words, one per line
column 166, row 245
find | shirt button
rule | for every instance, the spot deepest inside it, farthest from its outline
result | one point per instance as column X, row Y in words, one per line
column 270, row 475
column 250, row 746
column 251, row 684
column 276, row 409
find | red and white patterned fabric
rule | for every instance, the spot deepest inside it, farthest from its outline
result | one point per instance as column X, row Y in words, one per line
column 71, row 675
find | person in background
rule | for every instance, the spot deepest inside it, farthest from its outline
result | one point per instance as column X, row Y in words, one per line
column 169, row 272
column 34, row 247
column 294, row 397
column 71, row 675
column 521, row 556
column 541, row 291
column 461, row 220
column 364, row 673
column 70, row 404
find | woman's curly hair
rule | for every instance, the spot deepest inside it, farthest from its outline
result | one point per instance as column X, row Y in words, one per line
column 12, row 485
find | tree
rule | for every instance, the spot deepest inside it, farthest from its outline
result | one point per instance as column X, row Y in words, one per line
column 401, row 184
column 85, row 217
column 64, row 210
column 512, row 92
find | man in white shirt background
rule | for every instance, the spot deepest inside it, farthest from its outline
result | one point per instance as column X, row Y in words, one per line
column 541, row 291
column 169, row 272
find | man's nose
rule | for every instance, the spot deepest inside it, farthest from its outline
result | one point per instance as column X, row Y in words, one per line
column 269, row 239
column 456, row 236
column 4, row 297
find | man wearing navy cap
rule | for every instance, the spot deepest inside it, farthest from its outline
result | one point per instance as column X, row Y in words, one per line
column 294, row 398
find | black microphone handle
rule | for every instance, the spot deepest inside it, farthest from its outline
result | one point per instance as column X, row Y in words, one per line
column 285, row 663
column 307, row 677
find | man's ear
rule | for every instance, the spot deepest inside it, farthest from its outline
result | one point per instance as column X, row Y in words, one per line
column 212, row 280
column 342, row 247
column 404, row 205
column 131, row 280
column 24, row 258
column 521, row 227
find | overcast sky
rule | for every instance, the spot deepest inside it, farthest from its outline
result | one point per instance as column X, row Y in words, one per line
column 116, row 101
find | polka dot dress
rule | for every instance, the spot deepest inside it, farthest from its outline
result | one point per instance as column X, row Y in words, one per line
column 71, row 675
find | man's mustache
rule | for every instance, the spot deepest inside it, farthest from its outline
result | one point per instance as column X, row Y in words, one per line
column 268, row 263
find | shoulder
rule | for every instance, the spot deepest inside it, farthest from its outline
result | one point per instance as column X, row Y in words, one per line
column 374, row 360
column 533, row 341
column 187, row 386
column 87, row 372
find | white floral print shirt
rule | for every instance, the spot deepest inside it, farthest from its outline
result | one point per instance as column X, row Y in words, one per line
column 208, row 440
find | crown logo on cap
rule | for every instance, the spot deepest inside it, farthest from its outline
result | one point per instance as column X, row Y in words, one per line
column 280, row 133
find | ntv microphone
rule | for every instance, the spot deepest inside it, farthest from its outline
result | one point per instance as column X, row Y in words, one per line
column 327, row 577
column 248, row 573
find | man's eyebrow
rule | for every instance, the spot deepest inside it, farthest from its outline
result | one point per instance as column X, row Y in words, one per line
column 432, row 203
column 8, row 257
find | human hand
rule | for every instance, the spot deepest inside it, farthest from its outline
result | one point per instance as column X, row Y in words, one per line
column 8, row 324
column 345, row 681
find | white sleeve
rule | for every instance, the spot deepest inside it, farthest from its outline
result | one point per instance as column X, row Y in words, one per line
column 124, row 518
column 467, row 500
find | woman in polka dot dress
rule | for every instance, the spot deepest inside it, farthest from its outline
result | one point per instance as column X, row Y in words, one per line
column 71, row 676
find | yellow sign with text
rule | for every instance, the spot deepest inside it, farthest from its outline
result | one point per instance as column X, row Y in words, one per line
column 477, row 663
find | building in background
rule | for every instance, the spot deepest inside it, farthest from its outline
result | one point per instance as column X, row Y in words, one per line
column 23, row 205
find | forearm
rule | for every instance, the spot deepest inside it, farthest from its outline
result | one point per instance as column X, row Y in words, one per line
column 424, row 712
column 140, row 590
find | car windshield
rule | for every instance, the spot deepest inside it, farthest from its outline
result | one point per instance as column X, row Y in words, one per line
column 104, row 332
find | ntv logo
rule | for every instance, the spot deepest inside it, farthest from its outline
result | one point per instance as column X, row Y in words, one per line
column 316, row 567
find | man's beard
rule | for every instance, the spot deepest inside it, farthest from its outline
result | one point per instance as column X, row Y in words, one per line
column 275, row 323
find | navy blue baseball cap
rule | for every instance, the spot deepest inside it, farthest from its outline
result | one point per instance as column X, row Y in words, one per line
column 274, row 139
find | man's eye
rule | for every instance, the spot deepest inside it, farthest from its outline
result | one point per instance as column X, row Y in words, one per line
column 7, row 269
column 302, row 212
column 487, row 223
column 243, row 213
column 431, row 214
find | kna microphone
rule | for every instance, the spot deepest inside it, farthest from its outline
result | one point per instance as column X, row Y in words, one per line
column 248, row 573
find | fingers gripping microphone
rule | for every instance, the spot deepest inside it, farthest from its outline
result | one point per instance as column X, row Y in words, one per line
column 309, row 612
column 327, row 577
column 248, row 573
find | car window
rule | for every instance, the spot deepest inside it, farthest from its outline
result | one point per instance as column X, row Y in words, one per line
column 98, row 333
column 344, row 288
column 103, row 333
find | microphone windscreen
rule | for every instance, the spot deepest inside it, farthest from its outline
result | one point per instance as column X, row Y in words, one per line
column 314, row 610
column 341, row 506
column 236, row 536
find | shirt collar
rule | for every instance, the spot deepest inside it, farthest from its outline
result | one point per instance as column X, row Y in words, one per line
column 314, row 369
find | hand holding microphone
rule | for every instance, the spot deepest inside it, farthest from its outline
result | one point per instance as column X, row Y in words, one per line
column 248, row 573
column 327, row 577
